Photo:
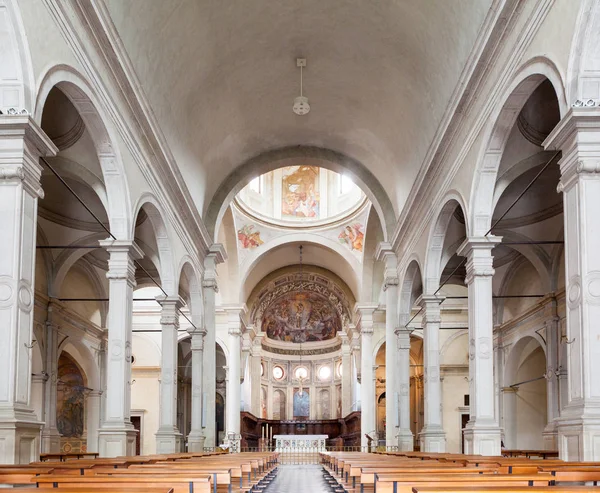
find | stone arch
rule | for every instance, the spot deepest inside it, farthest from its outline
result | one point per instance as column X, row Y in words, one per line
column 79, row 92
column 189, row 280
column 17, row 82
column 165, row 252
column 378, row 346
column 516, row 351
column 435, row 242
column 412, row 280
column 311, row 156
column 583, row 70
column 503, row 118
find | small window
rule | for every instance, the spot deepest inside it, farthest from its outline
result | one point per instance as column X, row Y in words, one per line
column 254, row 185
column 324, row 373
column 262, row 369
column 339, row 370
column 278, row 373
column 301, row 373
column 346, row 184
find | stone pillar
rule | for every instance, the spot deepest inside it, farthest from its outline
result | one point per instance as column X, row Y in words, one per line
column 432, row 437
column 196, row 436
column 255, row 374
column 482, row 433
column 392, row 389
column 405, row 436
column 552, row 383
column 117, row 435
column 578, row 136
column 367, row 382
column 346, row 375
column 50, row 434
column 22, row 143
column 233, row 383
column 93, row 407
column 509, row 408
column 168, row 437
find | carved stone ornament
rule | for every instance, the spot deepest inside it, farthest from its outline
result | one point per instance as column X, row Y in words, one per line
column 16, row 111
column 588, row 103
column 12, row 173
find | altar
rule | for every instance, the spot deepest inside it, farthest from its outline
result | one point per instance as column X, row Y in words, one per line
column 300, row 443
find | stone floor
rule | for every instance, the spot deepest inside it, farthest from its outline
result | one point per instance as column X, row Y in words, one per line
column 299, row 478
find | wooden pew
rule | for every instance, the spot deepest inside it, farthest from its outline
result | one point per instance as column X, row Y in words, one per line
column 65, row 456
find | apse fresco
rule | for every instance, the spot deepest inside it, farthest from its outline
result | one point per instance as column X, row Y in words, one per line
column 301, row 316
column 300, row 192
column 70, row 398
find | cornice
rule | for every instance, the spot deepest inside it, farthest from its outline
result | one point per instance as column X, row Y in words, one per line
column 100, row 51
column 502, row 18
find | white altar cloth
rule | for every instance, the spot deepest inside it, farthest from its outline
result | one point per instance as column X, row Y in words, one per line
column 300, row 443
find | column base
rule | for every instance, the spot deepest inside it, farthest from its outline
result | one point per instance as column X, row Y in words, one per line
column 432, row 439
column 117, row 440
column 50, row 441
column 20, row 436
column 482, row 439
column 550, row 435
column 579, row 438
column 168, row 440
column 195, row 442
column 406, row 441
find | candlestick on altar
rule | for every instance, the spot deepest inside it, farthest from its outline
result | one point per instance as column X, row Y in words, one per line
column 271, row 437
column 263, row 431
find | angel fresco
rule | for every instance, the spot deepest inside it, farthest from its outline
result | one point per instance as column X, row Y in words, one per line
column 353, row 236
column 249, row 238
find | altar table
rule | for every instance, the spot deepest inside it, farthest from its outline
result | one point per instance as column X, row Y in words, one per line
column 300, row 443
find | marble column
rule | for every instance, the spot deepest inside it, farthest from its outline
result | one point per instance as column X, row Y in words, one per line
column 233, row 383
column 50, row 434
column 255, row 374
column 552, row 383
column 22, row 143
column 482, row 433
column 117, row 435
column 405, row 436
column 432, row 437
column 392, row 389
column 196, row 437
column 168, row 436
column 367, row 382
column 578, row 136
column 509, row 414
column 346, row 375
column 93, row 406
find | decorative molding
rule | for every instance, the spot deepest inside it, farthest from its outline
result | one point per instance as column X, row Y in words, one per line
column 303, row 352
column 71, row 136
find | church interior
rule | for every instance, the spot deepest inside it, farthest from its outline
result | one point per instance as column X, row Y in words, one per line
column 299, row 227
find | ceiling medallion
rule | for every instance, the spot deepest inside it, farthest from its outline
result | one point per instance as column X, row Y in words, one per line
column 301, row 106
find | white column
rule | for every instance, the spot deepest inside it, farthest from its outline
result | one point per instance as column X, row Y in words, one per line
column 93, row 407
column 168, row 437
column 509, row 413
column 196, row 436
column 482, row 433
column 367, row 382
column 50, row 434
column 405, row 436
column 552, row 383
column 233, row 383
column 578, row 136
column 346, row 376
column 432, row 437
column 392, row 389
column 22, row 142
column 255, row 369
column 117, row 435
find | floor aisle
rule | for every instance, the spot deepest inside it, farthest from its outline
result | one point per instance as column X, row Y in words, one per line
column 300, row 478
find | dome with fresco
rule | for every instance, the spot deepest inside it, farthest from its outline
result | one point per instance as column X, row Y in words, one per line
column 301, row 195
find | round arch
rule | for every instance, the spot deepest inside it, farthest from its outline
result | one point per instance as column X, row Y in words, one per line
column 523, row 83
column 189, row 280
column 411, row 280
column 310, row 156
column 435, row 241
column 165, row 252
column 78, row 91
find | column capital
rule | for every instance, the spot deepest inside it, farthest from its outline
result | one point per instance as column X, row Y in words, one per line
column 478, row 251
column 169, row 309
column 234, row 331
column 197, row 341
column 122, row 254
column 402, row 337
column 577, row 135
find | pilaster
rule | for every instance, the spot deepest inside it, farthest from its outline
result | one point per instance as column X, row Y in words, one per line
column 195, row 439
column 405, row 436
column 168, row 437
column 22, row 142
column 50, row 434
column 432, row 437
column 346, row 375
column 482, row 433
column 367, row 386
column 233, row 400
column 578, row 137
column 117, row 435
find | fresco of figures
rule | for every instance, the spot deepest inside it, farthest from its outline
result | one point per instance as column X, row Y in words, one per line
column 70, row 398
column 301, row 317
column 300, row 192
column 353, row 236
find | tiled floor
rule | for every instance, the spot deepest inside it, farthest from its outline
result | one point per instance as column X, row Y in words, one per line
column 299, row 479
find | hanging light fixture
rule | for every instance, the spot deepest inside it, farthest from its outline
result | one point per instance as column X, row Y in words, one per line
column 301, row 106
